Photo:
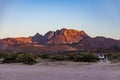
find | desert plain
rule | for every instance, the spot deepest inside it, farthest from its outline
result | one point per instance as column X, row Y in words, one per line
column 61, row 71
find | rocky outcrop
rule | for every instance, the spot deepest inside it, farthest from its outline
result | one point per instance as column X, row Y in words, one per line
column 49, row 35
column 16, row 40
column 65, row 36
column 37, row 38
column 13, row 44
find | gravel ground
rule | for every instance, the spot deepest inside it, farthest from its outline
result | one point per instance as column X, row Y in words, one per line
column 66, row 71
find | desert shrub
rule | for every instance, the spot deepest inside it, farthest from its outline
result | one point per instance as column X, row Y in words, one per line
column 10, row 58
column 86, row 57
column 70, row 57
column 113, row 56
column 26, row 58
column 20, row 58
column 58, row 58
column 3, row 55
column 34, row 55
column 44, row 56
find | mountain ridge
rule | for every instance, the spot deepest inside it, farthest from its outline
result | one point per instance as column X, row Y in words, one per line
column 64, row 39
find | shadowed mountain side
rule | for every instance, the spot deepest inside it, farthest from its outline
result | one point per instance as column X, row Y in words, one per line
column 46, row 48
column 38, row 38
column 98, row 43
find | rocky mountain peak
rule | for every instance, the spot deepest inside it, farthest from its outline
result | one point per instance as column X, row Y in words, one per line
column 37, row 35
column 67, row 36
column 49, row 34
column 63, row 36
column 37, row 38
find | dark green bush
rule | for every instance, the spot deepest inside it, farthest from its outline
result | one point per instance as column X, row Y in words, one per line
column 44, row 56
column 20, row 58
column 86, row 57
column 113, row 56
column 58, row 58
column 10, row 58
column 26, row 58
column 3, row 55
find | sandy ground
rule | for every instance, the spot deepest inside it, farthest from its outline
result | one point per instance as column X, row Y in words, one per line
column 60, row 71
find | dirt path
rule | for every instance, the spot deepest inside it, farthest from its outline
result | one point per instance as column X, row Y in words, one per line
column 96, row 71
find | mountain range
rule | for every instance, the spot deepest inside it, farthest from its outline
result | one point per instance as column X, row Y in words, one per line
column 59, row 40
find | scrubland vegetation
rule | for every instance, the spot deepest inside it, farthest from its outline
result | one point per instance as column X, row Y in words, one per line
column 24, row 58
column 29, row 58
column 114, row 57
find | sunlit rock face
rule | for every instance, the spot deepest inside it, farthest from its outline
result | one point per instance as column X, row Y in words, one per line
column 13, row 44
column 66, row 36
column 16, row 40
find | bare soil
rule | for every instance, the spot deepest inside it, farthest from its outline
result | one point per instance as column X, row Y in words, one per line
column 61, row 71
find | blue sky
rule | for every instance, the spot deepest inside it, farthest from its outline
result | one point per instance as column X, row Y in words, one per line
column 27, row 17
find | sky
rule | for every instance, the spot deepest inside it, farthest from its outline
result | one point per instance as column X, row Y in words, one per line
column 22, row 18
